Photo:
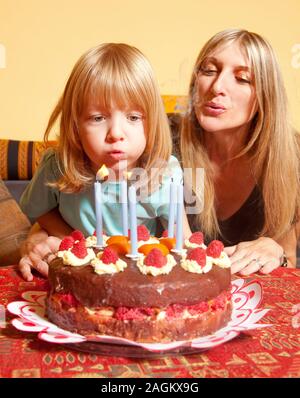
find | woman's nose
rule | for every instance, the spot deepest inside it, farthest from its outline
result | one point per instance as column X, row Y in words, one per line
column 219, row 85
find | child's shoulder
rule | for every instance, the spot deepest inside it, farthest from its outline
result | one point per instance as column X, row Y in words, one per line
column 50, row 162
column 48, row 155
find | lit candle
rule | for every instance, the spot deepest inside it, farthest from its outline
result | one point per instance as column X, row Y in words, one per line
column 172, row 206
column 179, row 218
column 132, row 220
column 101, row 174
column 124, row 203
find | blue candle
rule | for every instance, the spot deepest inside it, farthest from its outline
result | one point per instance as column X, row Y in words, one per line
column 124, row 207
column 102, row 173
column 179, row 218
column 132, row 220
column 172, row 206
column 98, row 204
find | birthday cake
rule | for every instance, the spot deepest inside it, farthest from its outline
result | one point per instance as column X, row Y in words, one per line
column 161, row 296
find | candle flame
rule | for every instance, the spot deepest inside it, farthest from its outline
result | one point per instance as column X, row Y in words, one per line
column 102, row 173
column 127, row 175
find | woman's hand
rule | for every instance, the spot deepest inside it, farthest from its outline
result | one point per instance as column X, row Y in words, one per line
column 38, row 251
column 263, row 255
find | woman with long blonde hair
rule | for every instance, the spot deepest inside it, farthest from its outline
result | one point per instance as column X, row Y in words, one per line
column 237, row 129
column 110, row 113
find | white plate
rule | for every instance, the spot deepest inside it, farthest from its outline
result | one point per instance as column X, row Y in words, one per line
column 246, row 298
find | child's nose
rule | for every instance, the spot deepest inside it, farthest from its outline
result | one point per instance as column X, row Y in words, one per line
column 115, row 132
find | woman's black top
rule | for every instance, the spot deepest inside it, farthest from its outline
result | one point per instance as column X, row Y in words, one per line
column 243, row 225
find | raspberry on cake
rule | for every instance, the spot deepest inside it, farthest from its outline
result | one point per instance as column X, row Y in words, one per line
column 144, row 236
column 215, row 248
column 156, row 298
column 77, row 235
column 196, row 261
column 66, row 243
column 156, row 263
column 74, row 251
column 195, row 240
column 108, row 262
column 79, row 249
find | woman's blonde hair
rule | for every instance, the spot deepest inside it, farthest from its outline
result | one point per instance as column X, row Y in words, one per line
column 109, row 73
column 272, row 143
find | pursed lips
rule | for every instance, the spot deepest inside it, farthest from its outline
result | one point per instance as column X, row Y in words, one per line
column 214, row 105
column 117, row 154
column 213, row 109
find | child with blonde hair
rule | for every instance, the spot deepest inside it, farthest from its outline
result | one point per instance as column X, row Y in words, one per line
column 110, row 113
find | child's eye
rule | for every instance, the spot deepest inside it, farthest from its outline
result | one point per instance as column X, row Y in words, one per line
column 134, row 117
column 97, row 118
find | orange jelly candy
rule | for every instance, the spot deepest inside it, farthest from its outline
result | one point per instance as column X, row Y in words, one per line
column 169, row 242
column 145, row 249
column 117, row 239
column 121, row 248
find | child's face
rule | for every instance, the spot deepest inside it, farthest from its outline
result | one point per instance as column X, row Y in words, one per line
column 112, row 137
column 225, row 98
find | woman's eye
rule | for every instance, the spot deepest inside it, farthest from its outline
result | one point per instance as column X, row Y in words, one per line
column 208, row 71
column 242, row 79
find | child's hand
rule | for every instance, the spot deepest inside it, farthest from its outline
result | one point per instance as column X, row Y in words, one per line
column 37, row 255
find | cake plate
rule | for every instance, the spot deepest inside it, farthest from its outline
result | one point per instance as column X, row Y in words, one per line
column 246, row 299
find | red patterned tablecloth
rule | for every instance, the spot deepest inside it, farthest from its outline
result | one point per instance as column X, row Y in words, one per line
column 269, row 352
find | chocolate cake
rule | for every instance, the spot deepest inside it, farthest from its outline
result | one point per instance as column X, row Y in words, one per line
column 176, row 305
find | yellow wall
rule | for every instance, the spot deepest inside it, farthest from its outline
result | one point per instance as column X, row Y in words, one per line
column 41, row 40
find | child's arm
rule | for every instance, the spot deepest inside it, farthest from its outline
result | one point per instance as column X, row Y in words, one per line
column 39, row 248
column 53, row 223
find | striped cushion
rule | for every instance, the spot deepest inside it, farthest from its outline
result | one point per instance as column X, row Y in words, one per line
column 19, row 159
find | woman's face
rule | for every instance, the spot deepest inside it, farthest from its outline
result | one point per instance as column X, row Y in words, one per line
column 225, row 97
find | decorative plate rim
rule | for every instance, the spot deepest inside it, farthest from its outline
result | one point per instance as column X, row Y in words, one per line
column 247, row 297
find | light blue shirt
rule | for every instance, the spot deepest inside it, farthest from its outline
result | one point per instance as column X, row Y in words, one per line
column 78, row 209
